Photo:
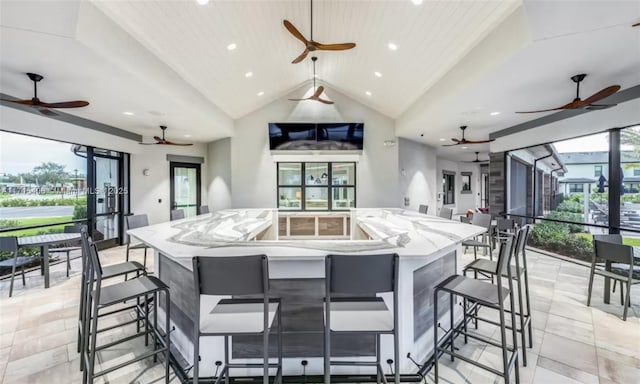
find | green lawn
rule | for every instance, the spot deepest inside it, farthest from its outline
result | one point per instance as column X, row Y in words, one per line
column 38, row 221
column 634, row 242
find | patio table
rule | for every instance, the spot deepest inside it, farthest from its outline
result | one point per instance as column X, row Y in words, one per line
column 44, row 241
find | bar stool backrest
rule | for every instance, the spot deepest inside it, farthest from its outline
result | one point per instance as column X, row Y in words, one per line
column 505, row 225
column 9, row 244
column 465, row 219
column 481, row 220
column 94, row 268
column 236, row 275
column 176, row 214
column 446, row 213
column 613, row 238
column 137, row 221
column 505, row 255
column 361, row 274
column 423, row 209
column 204, row 209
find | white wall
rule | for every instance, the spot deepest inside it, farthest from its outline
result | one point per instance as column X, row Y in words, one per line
column 418, row 182
column 253, row 168
column 462, row 201
column 219, row 174
column 146, row 191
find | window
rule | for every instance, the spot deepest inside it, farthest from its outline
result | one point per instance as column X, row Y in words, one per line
column 448, row 187
column 636, row 171
column 597, row 170
column 574, row 188
column 466, row 182
column 316, row 186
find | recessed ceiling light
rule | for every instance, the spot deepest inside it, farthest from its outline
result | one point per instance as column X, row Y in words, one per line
column 187, row 135
column 465, row 147
column 392, row 46
column 494, row 113
column 378, row 74
column 128, row 113
column 442, row 139
column 367, row 93
column 260, row 93
column 248, row 74
column 416, row 2
column 202, row 2
column 232, row 46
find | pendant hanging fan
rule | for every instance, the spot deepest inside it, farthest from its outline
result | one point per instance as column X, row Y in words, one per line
column 36, row 102
column 311, row 45
column 163, row 141
column 465, row 141
column 318, row 91
column 589, row 102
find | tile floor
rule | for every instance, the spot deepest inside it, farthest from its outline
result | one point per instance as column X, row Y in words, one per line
column 573, row 343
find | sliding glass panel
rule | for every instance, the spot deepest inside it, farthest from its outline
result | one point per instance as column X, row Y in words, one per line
column 290, row 174
column 290, row 198
column 343, row 174
column 107, row 187
column 343, row 198
column 316, row 198
column 316, row 173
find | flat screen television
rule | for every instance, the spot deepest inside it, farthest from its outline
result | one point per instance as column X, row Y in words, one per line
column 321, row 136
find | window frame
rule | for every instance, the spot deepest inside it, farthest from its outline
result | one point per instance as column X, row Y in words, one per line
column 445, row 176
column 329, row 187
column 597, row 170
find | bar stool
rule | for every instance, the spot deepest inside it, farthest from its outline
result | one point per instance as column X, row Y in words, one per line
column 482, row 294
column 71, row 246
column 108, row 272
column 423, row 209
column 100, row 297
column 480, row 220
column 519, row 273
column 133, row 222
column 203, row 210
column 233, row 276
column 176, row 214
column 357, row 279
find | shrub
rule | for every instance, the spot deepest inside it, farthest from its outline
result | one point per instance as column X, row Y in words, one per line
column 555, row 237
column 79, row 211
column 16, row 202
column 568, row 216
column 8, row 223
column 570, row 206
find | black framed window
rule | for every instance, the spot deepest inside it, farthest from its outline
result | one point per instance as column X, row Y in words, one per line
column 597, row 170
column 636, row 171
column 574, row 188
column 316, row 186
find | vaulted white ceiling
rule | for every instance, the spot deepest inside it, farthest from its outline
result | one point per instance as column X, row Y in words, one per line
column 456, row 62
column 193, row 39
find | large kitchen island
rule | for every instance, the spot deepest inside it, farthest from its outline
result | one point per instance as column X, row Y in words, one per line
column 296, row 244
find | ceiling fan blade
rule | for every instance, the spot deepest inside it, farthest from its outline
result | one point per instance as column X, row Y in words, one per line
column 451, row 145
column 545, row 110
column 456, row 140
column 606, row 92
column 318, row 92
column 23, row 102
column 148, row 143
column 301, row 57
column 172, row 143
column 298, row 99
column 66, row 104
column 324, row 101
column 334, row 47
column 294, row 31
column 478, row 141
column 158, row 139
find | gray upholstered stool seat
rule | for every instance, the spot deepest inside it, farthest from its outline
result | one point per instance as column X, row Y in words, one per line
column 365, row 315
column 231, row 316
column 130, row 289
column 490, row 266
column 119, row 269
column 477, row 291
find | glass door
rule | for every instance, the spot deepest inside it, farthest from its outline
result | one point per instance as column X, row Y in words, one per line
column 108, row 188
column 185, row 187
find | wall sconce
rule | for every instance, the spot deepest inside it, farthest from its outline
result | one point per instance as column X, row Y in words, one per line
column 389, row 143
column 146, row 172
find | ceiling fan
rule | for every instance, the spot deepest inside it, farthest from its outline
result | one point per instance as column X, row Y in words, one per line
column 311, row 45
column 163, row 141
column 36, row 102
column 589, row 102
column 318, row 91
column 465, row 141
column 477, row 160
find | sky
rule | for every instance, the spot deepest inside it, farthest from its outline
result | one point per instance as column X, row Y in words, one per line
column 20, row 154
